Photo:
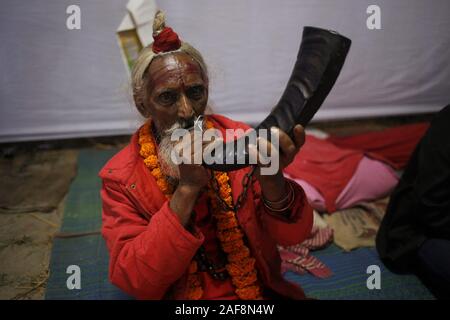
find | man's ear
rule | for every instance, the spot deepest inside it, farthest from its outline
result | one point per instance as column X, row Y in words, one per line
column 140, row 106
column 144, row 111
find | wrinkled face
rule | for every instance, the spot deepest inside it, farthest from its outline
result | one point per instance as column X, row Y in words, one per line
column 177, row 90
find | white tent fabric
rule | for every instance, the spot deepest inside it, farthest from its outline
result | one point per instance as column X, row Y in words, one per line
column 60, row 83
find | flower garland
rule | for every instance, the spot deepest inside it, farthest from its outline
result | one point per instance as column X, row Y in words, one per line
column 240, row 266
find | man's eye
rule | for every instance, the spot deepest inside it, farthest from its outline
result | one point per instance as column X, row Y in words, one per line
column 167, row 97
column 196, row 92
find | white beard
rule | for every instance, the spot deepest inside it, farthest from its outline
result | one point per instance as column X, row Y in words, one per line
column 166, row 146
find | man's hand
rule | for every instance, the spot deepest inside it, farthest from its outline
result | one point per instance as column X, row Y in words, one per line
column 193, row 178
column 288, row 148
column 273, row 186
column 192, row 173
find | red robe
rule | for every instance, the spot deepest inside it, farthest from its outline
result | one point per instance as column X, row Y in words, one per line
column 150, row 251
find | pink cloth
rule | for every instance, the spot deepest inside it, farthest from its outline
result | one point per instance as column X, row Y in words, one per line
column 326, row 167
column 315, row 199
column 372, row 180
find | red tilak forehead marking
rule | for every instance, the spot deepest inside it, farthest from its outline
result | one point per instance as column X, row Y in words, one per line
column 172, row 69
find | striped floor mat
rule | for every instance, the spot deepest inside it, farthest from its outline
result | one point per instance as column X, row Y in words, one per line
column 83, row 215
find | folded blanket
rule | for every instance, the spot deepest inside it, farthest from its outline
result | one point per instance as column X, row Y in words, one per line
column 325, row 167
column 372, row 180
column 393, row 146
column 344, row 171
column 357, row 227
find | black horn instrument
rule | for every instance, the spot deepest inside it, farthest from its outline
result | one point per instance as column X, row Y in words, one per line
column 320, row 59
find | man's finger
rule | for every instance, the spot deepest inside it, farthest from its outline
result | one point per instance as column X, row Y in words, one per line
column 286, row 144
column 266, row 151
column 299, row 136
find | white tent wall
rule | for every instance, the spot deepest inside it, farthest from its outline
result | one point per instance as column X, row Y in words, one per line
column 60, row 83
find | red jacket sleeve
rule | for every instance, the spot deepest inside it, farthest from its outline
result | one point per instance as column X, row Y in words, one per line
column 293, row 229
column 146, row 257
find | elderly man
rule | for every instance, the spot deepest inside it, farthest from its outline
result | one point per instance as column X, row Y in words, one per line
column 184, row 231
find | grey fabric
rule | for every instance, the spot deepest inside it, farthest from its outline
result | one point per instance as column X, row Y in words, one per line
column 59, row 83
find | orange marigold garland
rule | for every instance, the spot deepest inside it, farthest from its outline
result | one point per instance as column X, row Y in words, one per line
column 148, row 152
column 241, row 266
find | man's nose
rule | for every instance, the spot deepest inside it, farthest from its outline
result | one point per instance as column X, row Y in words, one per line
column 185, row 109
